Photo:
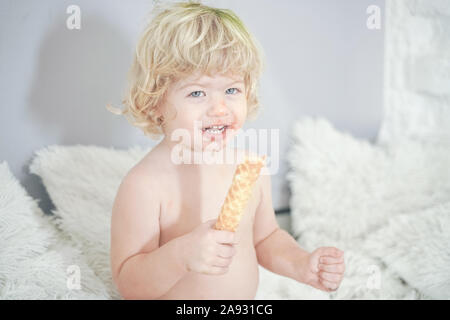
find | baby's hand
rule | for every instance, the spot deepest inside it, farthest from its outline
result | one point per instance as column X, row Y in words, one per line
column 207, row 250
column 325, row 268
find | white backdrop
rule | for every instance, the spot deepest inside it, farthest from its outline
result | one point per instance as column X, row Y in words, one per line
column 322, row 60
column 417, row 71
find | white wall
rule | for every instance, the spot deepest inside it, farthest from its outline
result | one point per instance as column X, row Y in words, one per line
column 55, row 82
column 417, row 71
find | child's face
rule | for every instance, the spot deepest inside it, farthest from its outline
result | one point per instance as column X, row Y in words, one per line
column 200, row 102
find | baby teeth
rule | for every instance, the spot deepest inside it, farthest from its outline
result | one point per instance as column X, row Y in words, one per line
column 215, row 129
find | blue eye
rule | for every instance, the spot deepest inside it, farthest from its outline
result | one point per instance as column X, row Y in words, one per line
column 194, row 93
column 195, row 96
column 234, row 88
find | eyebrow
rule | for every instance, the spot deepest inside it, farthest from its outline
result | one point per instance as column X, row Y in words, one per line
column 204, row 86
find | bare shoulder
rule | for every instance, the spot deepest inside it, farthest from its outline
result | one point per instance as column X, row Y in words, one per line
column 139, row 179
column 153, row 169
column 149, row 170
column 140, row 191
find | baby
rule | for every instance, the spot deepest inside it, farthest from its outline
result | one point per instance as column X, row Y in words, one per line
column 194, row 77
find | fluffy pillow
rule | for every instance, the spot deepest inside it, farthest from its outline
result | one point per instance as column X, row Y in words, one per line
column 417, row 247
column 336, row 181
column 34, row 258
column 82, row 182
column 345, row 188
column 366, row 276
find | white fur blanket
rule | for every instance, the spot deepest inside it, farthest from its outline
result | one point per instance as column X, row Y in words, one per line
column 386, row 207
column 35, row 258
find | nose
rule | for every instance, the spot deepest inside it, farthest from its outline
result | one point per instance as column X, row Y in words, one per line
column 218, row 108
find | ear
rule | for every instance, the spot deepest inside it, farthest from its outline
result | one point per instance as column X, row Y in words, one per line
column 158, row 114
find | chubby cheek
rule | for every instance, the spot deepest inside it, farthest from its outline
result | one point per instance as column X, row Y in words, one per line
column 193, row 127
column 182, row 128
column 240, row 115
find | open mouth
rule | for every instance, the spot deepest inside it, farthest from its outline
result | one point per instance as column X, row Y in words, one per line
column 215, row 130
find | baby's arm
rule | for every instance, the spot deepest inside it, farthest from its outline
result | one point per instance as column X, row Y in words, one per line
column 276, row 249
column 141, row 269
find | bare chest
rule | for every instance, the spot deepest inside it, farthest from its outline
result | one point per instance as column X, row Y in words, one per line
column 194, row 199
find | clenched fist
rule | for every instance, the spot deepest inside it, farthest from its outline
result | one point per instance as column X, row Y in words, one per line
column 325, row 268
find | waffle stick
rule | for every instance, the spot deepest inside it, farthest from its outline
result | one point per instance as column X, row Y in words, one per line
column 239, row 193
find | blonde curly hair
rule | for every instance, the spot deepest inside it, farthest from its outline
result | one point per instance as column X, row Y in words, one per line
column 185, row 38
